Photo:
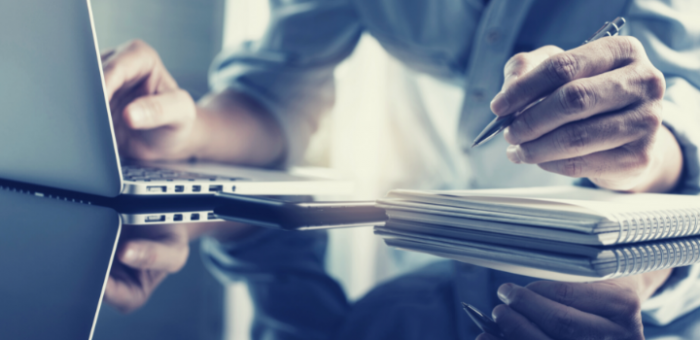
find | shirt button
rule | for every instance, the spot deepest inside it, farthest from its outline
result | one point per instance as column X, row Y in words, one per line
column 493, row 36
column 478, row 95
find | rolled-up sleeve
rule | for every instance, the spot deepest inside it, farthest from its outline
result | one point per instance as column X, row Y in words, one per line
column 670, row 33
column 289, row 72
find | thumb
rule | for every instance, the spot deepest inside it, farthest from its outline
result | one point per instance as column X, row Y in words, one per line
column 167, row 109
column 153, row 255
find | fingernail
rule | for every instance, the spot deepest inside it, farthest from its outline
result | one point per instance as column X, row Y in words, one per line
column 504, row 292
column 132, row 255
column 499, row 104
column 497, row 311
column 513, row 153
column 508, row 136
column 136, row 115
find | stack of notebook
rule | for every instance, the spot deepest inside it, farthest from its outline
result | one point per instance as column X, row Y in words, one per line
column 559, row 233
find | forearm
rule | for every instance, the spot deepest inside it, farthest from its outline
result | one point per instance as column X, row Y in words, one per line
column 232, row 128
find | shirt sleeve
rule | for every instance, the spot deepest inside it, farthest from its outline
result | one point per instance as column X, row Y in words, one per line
column 289, row 72
column 294, row 297
column 668, row 31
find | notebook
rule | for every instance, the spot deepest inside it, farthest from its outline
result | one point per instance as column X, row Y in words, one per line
column 540, row 258
column 563, row 214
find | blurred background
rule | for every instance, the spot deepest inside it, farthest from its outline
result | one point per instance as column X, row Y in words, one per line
column 188, row 34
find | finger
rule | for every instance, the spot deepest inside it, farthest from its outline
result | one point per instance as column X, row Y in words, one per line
column 525, row 62
column 131, row 64
column 128, row 292
column 154, row 255
column 123, row 296
column 556, row 320
column 622, row 164
column 515, row 326
column 585, row 61
column 583, row 98
column 584, row 137
column 606, row 298
column 167, row 109
column 106, row 54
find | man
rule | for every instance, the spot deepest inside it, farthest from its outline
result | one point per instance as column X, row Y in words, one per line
column 620, row 112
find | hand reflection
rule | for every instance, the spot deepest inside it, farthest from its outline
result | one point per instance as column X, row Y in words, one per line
column 563, row 310
column 145, row 257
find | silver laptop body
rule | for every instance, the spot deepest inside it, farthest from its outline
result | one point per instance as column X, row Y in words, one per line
column 55, row 122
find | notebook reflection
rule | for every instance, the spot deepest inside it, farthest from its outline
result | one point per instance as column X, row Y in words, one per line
column 555, row 233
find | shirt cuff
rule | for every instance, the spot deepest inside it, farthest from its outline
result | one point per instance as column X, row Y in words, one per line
column 677, row 297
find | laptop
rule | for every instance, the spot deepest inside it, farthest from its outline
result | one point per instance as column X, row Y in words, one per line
column 55, row 257
column 56, row 127
column 134, row 210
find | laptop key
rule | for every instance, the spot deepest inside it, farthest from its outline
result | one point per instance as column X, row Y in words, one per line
column 132, row 173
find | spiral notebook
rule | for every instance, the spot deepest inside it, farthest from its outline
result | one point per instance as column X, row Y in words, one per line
column 540, row 258
column 563, row 214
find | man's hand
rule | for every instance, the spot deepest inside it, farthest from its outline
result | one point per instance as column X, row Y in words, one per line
column 146, row 255
column 156, row 120
column 153, row 118
column 601, row 116
column 547, row 310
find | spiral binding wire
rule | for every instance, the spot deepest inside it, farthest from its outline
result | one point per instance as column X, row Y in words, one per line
column 657, row 225
column 633, row 260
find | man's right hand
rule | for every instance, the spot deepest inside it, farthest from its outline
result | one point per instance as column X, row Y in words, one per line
column 153, row 118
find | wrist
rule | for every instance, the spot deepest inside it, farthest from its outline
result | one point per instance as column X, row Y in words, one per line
column 201, row 135
column 232, row 128
column 644, row 285
column 662, row 172
column 666, row 164
column 650, row 282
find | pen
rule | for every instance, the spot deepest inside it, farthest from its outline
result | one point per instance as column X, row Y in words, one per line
column 484, row 322
column 609, row 29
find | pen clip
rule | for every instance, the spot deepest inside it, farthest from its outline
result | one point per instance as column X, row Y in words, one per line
column 609, row 29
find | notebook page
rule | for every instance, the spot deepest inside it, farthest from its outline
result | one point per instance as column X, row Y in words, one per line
column 638, row 217
column 564, row 197
column 538, row 202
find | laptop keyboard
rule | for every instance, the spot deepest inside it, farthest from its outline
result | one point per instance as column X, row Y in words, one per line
column 147, row 174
